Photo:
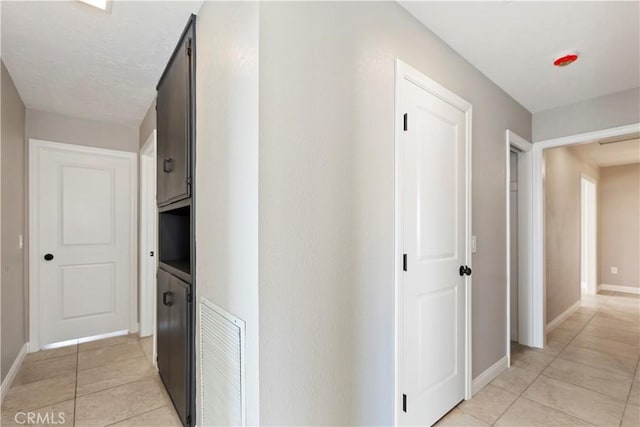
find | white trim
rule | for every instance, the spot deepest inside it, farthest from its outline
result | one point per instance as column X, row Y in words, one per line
column 13, row 371
column 34, row 244
column 617, row 288
column 525, row 322
column 147, row 159
column 80, row 340
column 405, row 71
column 538, row 287
column 562, row 317
column 490, row 374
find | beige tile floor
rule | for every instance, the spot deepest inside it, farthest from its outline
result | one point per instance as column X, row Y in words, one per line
column 588, row 374
column 107, row 382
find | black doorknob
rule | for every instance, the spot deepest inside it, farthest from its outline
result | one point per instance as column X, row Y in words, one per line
column 465, row 270
column 48, row 257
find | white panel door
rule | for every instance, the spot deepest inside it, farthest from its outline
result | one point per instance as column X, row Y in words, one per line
column 434, row 239
column 84, row 211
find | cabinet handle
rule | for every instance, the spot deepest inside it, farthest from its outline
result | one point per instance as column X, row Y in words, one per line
column 165, row 299
column 167, row 165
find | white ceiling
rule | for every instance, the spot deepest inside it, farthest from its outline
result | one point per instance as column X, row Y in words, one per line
column 514, row 44
column 73, row 59
column 613, row 154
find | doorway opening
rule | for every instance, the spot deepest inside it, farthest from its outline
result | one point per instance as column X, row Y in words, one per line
column 513, row 246
column 148, row 237
column 539, row 290
column 518, row 241
column 588, row 236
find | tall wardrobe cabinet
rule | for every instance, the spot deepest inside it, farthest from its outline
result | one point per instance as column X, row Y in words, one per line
column 176, row 207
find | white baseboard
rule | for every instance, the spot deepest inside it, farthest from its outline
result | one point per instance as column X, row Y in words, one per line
column 482, row 380
column 616, row 288
column 562, row 317
column 8, row 380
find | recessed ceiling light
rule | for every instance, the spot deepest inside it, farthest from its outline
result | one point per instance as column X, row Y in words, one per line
column 100, row 4
column 566, row 60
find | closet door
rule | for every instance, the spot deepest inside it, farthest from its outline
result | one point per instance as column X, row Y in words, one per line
column 180, row 329
column 173, row 123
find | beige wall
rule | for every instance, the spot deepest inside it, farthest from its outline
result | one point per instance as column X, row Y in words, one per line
column 604, row 112
column 148, row 124
column 619, row 225
column 14, row 329
column 227, row 172
column 71, row 130
column 326, row 231
column 562, row 196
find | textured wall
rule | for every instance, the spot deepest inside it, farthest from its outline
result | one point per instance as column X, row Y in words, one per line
column 327, row 205
column 562, row 198
column 604, row 112
column 148, row 124
column 71, row 130
column 14, row 287
column 227, row 170
column 619, row 225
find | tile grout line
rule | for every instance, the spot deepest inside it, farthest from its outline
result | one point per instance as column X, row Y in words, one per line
column 126, row 359
column 119, row 385
column 137, row 415
column 633, row 380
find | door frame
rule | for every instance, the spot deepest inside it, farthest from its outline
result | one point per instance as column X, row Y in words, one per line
column 538, row 245
column 148, row 218
column 404, row 71
column 584, row 232
column 35, row 145
column 525, row 324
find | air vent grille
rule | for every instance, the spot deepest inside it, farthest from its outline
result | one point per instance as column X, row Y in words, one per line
column 222, row 384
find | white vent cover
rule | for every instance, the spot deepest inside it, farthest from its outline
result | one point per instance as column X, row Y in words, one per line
column 222, row 382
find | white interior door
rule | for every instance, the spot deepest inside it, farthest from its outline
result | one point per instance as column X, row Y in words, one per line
column 83, row 202
column 588, row 263
column 435, row 238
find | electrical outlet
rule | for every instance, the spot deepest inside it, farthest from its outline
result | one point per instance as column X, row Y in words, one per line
column 614, row 270
column 474, row 242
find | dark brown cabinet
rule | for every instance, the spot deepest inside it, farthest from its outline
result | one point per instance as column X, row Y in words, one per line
column 174, row 329
column 174, row 121
column 176, row 249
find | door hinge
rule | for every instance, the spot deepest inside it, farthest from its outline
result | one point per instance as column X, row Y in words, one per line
column 189, row 298
column 404, row 403
column 404, row 262
column 406, row 121
column 189, row 48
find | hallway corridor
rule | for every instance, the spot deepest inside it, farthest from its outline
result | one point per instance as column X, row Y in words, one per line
column 100, row 383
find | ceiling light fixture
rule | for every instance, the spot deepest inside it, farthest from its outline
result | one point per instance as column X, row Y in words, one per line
column 100, row 4
column 565, row 60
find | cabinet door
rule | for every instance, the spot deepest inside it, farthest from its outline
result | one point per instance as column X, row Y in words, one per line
column 164, row 334
column 180, row 332
column 174, row 126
